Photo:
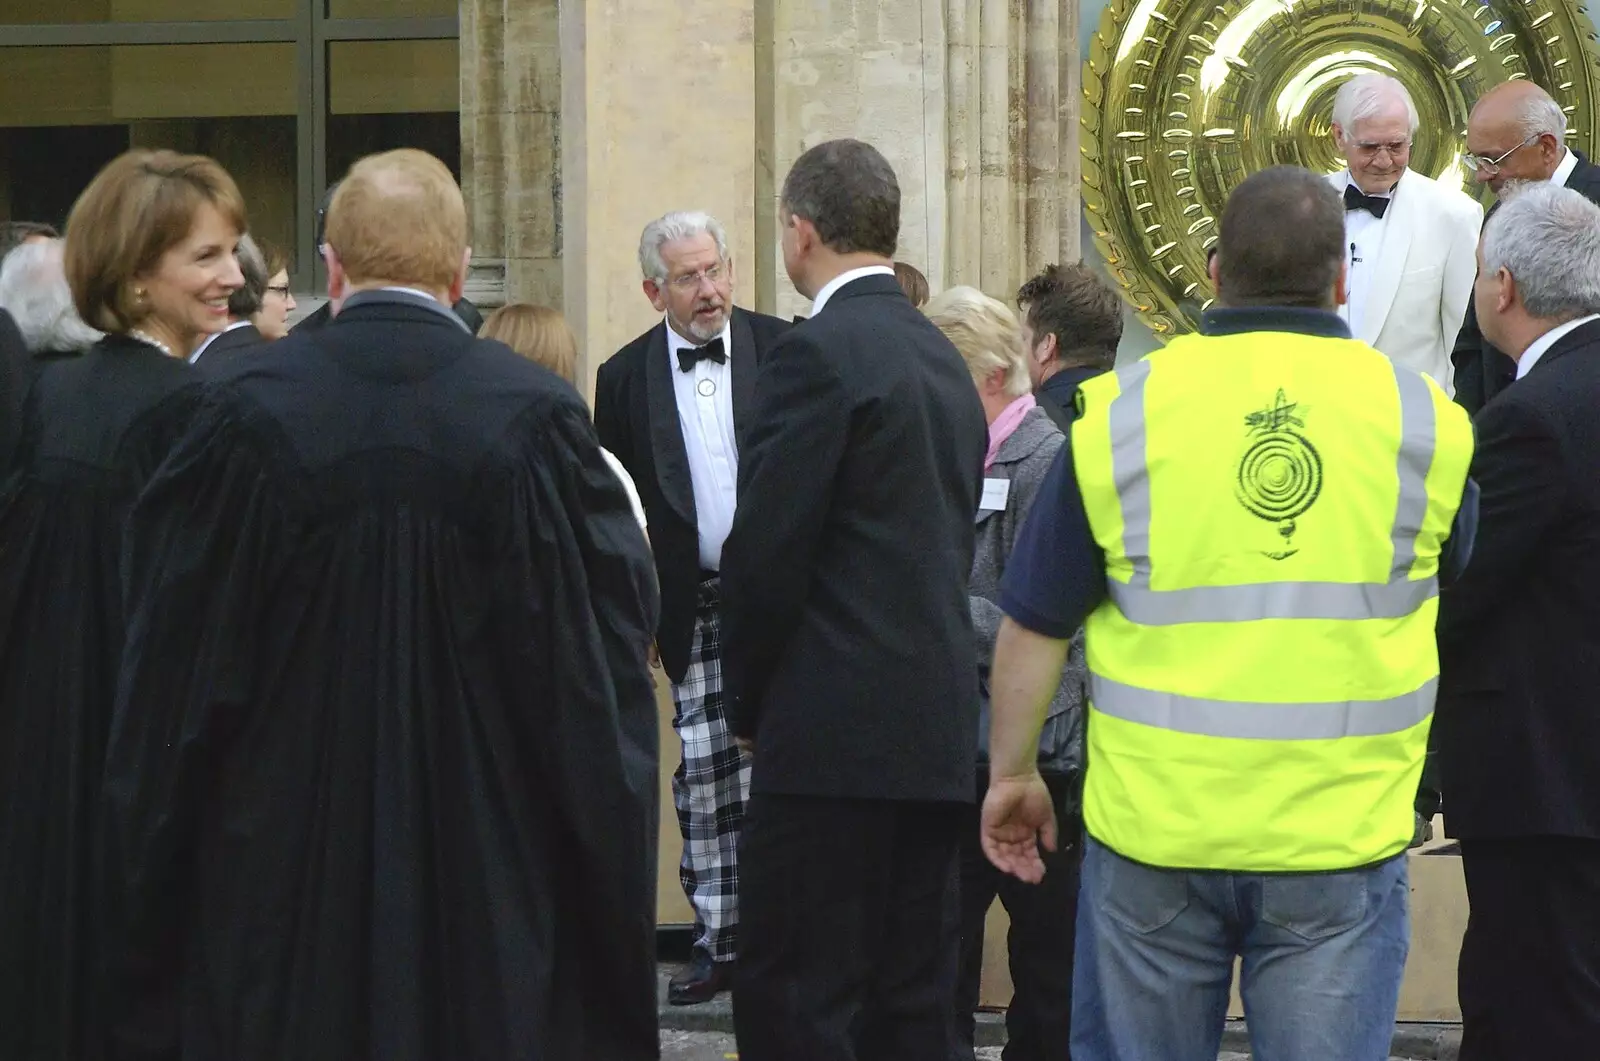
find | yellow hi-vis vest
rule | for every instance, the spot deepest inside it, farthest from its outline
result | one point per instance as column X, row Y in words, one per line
column 1272, row 508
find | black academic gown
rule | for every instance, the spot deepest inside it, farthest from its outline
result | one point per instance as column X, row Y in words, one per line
column 95, row 429
column 382, row 780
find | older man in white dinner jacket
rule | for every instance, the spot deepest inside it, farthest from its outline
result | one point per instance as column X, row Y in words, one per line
column 1411, row 240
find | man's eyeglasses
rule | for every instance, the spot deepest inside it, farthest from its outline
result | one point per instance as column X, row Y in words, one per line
column 691, row 281
column 1369, row 149
column 1478, row 162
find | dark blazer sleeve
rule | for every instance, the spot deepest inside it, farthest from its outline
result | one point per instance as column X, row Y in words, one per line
column 786, row 481
column 1518, row 469
column 1467, row 356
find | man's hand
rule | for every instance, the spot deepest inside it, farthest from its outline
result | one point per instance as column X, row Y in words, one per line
column 655, row 656
column 1018, row 814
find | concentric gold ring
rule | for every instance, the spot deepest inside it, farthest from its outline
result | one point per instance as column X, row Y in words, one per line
column 1184, row 98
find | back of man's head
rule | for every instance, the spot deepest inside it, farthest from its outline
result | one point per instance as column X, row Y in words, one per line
column 848, row 191
column 1547, row 238
column 34, row 290
column 398, row 219
column 16, row 233
column 1281, row 242
column 1081, row 310
column 246, row 301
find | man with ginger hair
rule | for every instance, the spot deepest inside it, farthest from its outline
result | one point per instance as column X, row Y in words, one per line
column 382, row 777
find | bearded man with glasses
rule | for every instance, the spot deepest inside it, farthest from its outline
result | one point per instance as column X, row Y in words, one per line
column 1410, row 241
column 675, row 406
column 1516, row 136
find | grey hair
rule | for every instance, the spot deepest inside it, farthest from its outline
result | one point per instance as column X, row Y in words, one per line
column 1367, row 95
column 680, row 224
column 34, row 289
column 1540, row 115
column 1548, row 238
column 246, row 301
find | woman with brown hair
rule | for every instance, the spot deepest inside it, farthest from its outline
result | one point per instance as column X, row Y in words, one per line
column 542, row 335
column 150, row 259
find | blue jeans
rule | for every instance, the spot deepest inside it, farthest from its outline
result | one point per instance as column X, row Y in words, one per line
column 1322, row 955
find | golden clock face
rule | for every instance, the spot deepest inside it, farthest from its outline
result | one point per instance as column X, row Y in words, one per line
column 1184, row 98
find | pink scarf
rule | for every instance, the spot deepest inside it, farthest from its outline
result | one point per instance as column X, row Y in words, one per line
column 1005, row 424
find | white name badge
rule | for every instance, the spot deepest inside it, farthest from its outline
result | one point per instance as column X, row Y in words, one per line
column 995, row 493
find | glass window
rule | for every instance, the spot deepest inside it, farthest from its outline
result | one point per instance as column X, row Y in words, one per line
column 391, row 8
column 388, row 94
column 104, row 100
column 106, row 75
column 70, row 12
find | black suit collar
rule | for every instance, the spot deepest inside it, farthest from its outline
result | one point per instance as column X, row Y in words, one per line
column 873, row 284
column 666, row 434
column 247, row 335
column 404, row 298
column 1578, row 338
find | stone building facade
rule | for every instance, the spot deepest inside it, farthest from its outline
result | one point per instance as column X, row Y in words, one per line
column 583, row 120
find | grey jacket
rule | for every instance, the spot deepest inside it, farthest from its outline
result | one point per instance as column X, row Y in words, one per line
column 1024, row 458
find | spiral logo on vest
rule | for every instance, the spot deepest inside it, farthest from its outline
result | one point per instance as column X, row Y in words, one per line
column 1280, row 474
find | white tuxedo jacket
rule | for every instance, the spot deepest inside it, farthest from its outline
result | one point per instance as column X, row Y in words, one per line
column 1423, row 274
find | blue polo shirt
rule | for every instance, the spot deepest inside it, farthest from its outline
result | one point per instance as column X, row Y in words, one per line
column 1056, row 574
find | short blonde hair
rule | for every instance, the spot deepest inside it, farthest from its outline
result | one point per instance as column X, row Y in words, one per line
column 539, row 334
column 139, row 207
column 986, row 333
column 399, row 218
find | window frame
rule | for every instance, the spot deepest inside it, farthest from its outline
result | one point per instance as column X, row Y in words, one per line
column 311, row 30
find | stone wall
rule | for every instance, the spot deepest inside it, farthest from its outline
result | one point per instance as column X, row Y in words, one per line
column 583, row 120
column 511, row 149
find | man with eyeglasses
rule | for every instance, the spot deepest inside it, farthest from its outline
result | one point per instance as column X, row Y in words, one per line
column 675, row 407
column 1515, row 136
column 1410, row 241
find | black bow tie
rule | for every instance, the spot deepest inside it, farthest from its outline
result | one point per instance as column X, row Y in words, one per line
column 689, row 356
column 1355, row 199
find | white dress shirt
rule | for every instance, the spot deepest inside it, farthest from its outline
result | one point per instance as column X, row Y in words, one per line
column 235, row 326
column 1541, row 346
column 1569, row 162
column 1363, row 236
column 705, row 416
column 839, row 281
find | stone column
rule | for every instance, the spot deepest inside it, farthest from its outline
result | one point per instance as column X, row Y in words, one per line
column 873, row 70
column 511, row 148
column 658, row 113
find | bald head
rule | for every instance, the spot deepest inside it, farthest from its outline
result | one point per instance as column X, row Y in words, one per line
column 398, row 219
column 1516, row 135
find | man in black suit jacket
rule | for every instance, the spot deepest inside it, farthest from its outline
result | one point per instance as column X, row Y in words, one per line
column 848, row 643
column 675, row 406
column 1519, row 733
column 1503, row 154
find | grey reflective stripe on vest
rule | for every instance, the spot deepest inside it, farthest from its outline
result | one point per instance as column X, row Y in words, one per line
column 1394, row 599
column 1272, row 600
column 1257, row 721
column 1418, row 432
column 1128, row 472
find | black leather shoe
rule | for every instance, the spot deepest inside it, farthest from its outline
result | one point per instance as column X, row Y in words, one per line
column 699, row 981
